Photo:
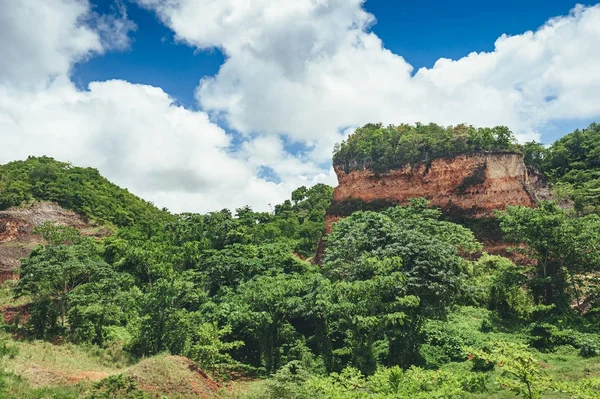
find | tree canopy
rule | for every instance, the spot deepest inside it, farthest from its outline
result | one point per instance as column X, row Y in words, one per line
column 380, row 148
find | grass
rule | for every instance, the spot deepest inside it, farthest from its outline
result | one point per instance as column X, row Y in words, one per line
column 175, row 376
column 43, row 370
column 6, row 295
column 563, row 365
column 43, row 364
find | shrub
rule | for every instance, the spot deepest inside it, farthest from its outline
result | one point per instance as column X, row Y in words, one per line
column 434, row 356
column 117, row 386
column 486, row 326
column 547, row 337
column 589, row 349
column 443, row 344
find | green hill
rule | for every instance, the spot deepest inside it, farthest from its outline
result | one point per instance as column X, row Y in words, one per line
column 572, row 164
column 82, row 190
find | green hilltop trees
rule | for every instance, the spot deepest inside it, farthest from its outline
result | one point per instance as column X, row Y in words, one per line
column 572, row 164
column 380, row 148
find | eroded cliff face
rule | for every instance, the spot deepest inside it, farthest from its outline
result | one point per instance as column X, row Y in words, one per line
column 464, row 187
column 16, row 232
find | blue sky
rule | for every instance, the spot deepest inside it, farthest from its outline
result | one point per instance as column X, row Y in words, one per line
column 420, row 31
column 178, row 123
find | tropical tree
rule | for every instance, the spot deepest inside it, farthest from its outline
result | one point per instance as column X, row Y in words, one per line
column 52, row 273
column 562, row 244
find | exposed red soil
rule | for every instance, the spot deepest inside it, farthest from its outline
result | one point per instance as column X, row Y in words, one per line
column 15, row 314
column 16, row 232
column 472, row 186
column 476, row 184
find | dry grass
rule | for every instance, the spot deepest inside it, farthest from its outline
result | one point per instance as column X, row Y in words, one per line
column 172, row 375
column 44, row 364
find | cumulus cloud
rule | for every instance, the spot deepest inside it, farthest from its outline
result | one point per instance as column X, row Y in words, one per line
column 134, row 134
column 311, row 67
column 41, row 40
column 138, row 138
column 297, row 72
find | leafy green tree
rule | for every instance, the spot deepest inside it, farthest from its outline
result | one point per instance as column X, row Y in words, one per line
column 169, row 316
column 521, row 372
column 261, row 310
column 51, row 274
column 498, row 284
column 563, row 246
column 413, row 249
column 100, row 304
column 364, row 310
column 207, row 348
column 572, row 164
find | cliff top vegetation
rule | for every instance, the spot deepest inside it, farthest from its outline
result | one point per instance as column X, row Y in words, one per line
column 381, row 148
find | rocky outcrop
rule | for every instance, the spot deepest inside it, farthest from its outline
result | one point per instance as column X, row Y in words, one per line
column 16, row 232
column 466, row 187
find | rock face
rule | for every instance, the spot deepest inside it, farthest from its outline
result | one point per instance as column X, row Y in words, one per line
column 464, row 187
column 16, row 232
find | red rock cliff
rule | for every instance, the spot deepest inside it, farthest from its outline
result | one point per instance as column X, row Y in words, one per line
column 467, row 186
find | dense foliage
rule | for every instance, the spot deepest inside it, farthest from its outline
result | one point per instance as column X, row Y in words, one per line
column 381, row 148
column 182, row 284
column 82, row 190
column 565, row 247
column 405, row 305
column 572, row 164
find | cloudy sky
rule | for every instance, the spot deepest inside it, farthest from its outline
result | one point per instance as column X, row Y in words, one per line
column 198, row 105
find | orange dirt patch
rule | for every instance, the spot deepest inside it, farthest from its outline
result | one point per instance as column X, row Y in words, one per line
column 40, row 376
column 15, row 314
column 16, row 232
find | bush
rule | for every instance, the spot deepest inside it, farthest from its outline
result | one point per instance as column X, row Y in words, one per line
column 589, row 349
column 117, row 387
column 547, row 337
column 7, row 350
column 434, row 356
column 486, row 326
column 481, row 360
column 443, row 344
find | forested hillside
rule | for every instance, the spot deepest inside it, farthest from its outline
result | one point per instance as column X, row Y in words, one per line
column 82, row 190
column 403, row 305
column 573, row 166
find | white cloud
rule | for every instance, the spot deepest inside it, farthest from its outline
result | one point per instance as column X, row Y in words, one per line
column 310, row 67
column 306, row 69
column 139, row 139
column 41, row 40
column 134, row 134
